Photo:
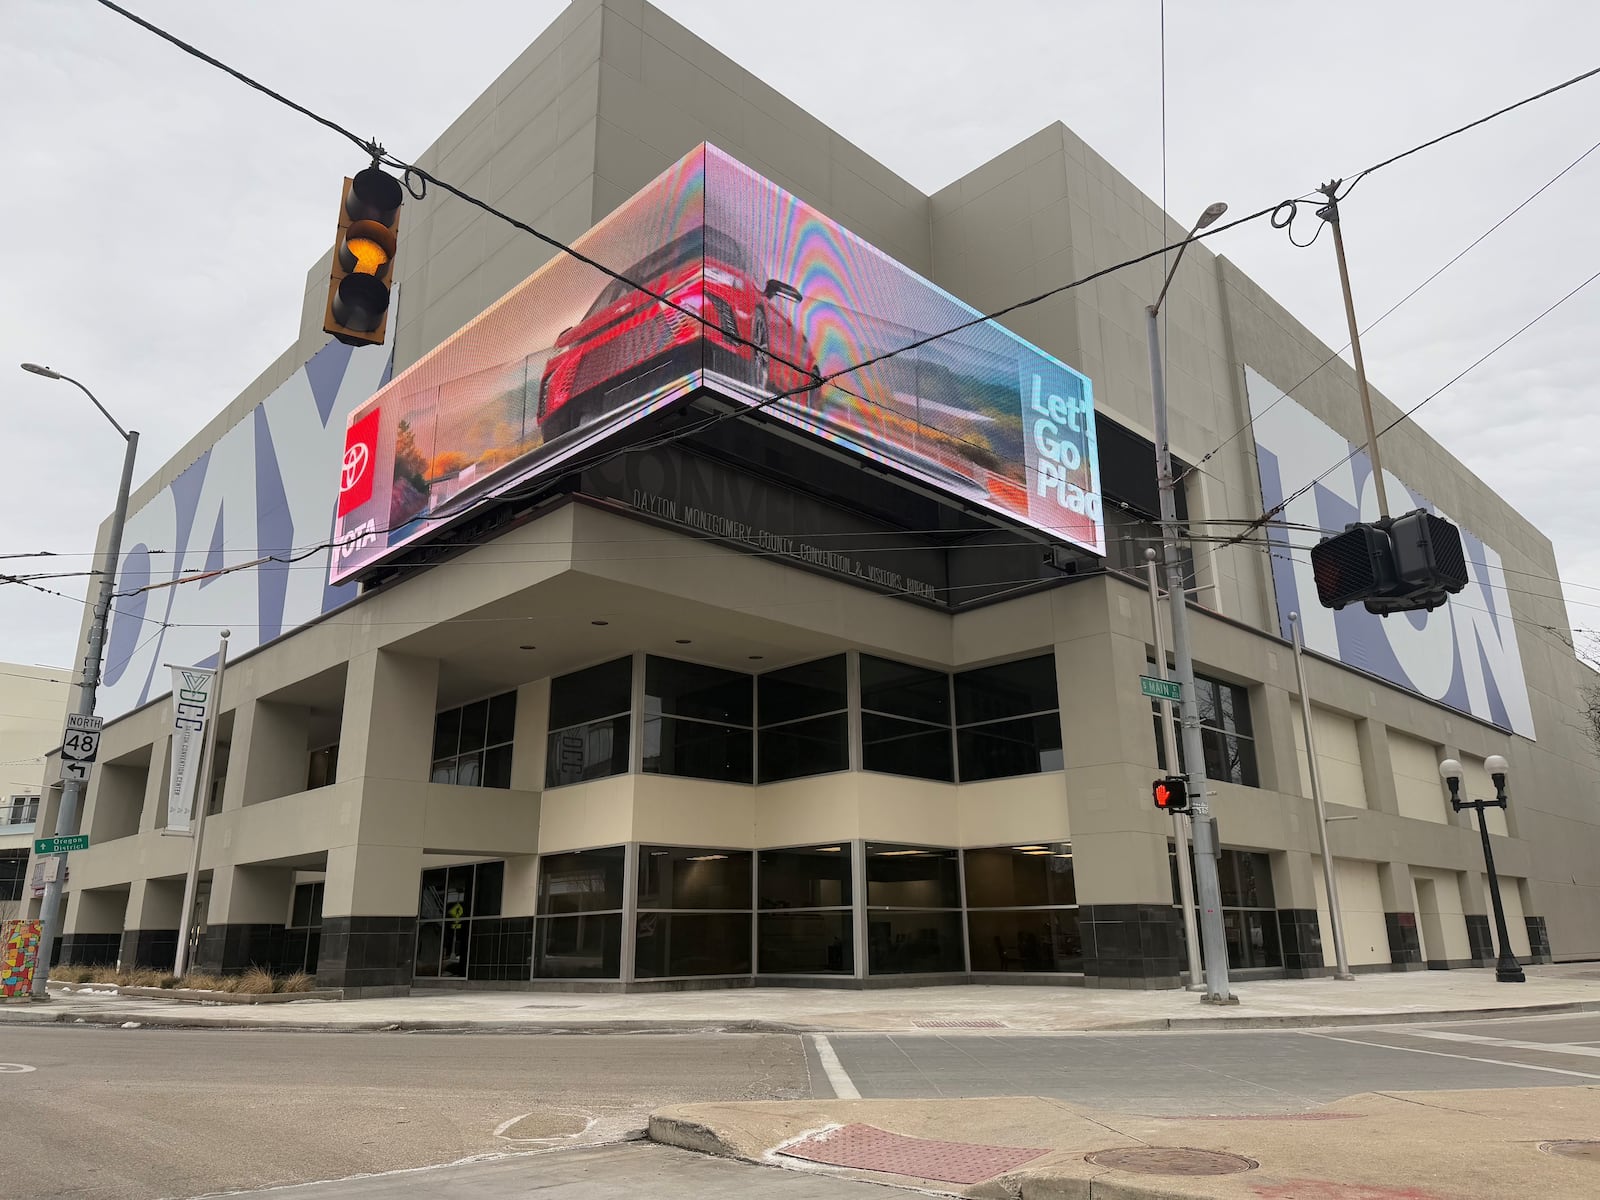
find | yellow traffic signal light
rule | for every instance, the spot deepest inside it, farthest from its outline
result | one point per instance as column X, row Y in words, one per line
column 363, row 259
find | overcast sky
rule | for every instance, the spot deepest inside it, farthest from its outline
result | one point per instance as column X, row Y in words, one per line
column 159, row 218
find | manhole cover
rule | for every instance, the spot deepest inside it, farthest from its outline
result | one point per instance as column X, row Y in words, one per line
column 1171, row 1160
column 868, row 1148
column 1585, row 1150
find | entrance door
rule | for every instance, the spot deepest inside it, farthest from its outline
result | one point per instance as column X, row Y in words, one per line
column 451, row 899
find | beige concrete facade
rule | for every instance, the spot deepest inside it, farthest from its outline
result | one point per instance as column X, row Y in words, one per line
column 605, row 99
column 33, row 702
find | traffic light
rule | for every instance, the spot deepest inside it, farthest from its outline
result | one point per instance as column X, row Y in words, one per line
column 1352, row 566
column 363, row 259
column 1171, row 795
column 1413, row 562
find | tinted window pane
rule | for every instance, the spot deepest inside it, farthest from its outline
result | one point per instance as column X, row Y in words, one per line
column 681, row 689
column 1043, row 940
column 444, row 771
column 497, row 767
column 469, row 769
column 301, row 917
column 902, row 690
column 909, row 942
column 430, row 905
column 692, row 944
column 898, row 747
column 802, row 691
column 585, row 947
column 474, row 724
column 1006, row 690
column 1005, row 748
column 584, row 881
column 676, row 877
column 502, row 719
column 698, row 749
column 805, row 943
column 446, row 733
column 805, row 878
column 911, row 877
column 813, row 747
column 591, row 751
column 1006, row 878
column 430, row 940
column 586, row 695
column 487, row 889
column 1252, row 938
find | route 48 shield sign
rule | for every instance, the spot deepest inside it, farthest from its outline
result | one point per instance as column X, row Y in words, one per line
column 80, row 745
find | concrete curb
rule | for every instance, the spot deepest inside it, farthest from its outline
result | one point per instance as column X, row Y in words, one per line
column 26, row 1015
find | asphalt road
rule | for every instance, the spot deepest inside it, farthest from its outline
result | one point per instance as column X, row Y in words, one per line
column 141, row 1114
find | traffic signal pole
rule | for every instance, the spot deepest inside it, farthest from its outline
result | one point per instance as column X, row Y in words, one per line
column 88, row 682
column 1180, row 821
column 1209, row 888
column 1330, row 213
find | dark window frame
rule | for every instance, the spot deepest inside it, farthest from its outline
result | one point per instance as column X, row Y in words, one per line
column 791, row 726
column 606, row 917
column 607, row 719
column 915, row 726
column 670, row 910
column 979, row 726
column 661, row 716
column 440, row 763
column 1245, row 766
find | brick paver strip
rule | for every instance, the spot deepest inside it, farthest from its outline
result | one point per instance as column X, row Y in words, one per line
column 867, row 1148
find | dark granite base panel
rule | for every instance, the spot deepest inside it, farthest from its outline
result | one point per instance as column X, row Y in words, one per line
column 1130, row 945
column 232, row 949
column 1301, row 936
column 149, row 949
column 364, row 952
column 1480, row 941
column 88, row 950
column 1405, row 942
column 1538, row 940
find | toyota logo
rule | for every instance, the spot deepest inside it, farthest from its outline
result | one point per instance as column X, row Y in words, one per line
column 354, row 466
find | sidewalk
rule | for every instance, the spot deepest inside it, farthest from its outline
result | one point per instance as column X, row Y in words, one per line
column 1368, row 999
column 1478, row 1145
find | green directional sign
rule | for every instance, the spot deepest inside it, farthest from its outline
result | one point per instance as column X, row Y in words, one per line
column 60, row 845
column 1159, row 689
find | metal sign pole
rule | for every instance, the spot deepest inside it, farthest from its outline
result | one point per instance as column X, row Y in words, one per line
column 203, row 804
column 1180, row 821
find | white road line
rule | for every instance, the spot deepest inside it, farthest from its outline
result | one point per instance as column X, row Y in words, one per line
column 838, row 1077
column 1509, row 1043
column 1493, row 1062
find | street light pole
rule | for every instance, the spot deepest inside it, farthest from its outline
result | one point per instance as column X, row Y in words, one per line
column 1180, row 821
column 1335, row 916
column 88, row 681
column 1213, row 939
column 1507, row 969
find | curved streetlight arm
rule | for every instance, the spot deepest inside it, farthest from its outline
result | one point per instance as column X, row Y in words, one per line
column 126, row 436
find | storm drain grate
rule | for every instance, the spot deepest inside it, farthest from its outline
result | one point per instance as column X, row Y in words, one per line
column 958, row 1024
column 868, row 1148
column 1587, row 1150
column 1170, row 1160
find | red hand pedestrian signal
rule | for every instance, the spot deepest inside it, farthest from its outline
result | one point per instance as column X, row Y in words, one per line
column 1170, row 794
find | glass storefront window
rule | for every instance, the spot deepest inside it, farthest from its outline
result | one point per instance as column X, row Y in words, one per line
column 1007, row 720
column 698, row 721
column 912, row 877
column 590, row 718
column 697, row 749
column 1039, row 939
column 587, row 946
column 464, row 752
column 907, row 886
column 1249, row 912
column 679, row 877
column 803, row 720
column 905, row 720
column 694, row 912
column 459, row 935
column 1021, row 908
column 1038, row 875
column 901, row 942
column 581, row 881
column 902, row 690
column 805, row 924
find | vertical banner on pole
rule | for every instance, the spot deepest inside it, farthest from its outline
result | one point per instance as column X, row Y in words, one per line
column 19, row 955
column 192, row 694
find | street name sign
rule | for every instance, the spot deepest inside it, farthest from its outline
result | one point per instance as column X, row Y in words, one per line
column 1159, row 689
column 61, row 845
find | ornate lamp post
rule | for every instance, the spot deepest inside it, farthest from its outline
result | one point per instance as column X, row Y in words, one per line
column 1507, row 969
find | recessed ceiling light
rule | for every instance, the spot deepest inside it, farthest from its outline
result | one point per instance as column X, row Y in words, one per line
column 683, row 641
column 527, row 647
column 706, row 858
column 898, row 853
column 829, row 849
column 599, row 622
column 1027, row 849
column 757, row 657
column 1035, row 853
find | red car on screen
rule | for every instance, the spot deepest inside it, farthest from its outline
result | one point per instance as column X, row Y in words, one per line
column 628, row 344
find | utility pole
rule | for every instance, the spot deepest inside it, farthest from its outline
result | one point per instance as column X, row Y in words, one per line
column 1213, row 939
column 1330, row 213
column 1180, row 821
column 1335, row 916
column 88, row 682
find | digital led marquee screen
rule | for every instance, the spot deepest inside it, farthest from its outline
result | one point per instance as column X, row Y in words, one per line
column 787, row 298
